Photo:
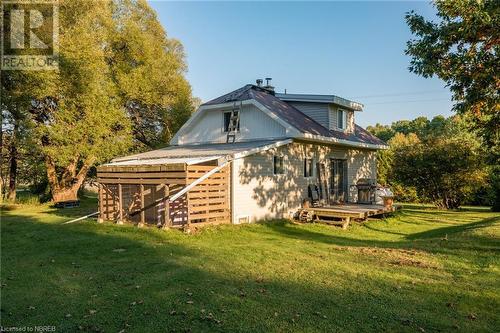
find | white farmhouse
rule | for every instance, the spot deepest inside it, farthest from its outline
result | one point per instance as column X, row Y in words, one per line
column 270, row 150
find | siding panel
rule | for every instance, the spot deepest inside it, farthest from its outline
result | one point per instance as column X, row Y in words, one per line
column 261, row 195
column 317, row 111
column 254, row 124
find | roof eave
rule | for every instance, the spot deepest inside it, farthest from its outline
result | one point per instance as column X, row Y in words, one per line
column 330, row 99
column 348, row 143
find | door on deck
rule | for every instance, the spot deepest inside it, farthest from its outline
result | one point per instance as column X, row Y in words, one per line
column 338, row 180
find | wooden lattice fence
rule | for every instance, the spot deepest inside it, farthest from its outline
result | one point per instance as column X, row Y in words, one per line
column 141, row 194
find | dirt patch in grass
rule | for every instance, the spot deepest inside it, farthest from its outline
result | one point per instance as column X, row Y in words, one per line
column 395, row 257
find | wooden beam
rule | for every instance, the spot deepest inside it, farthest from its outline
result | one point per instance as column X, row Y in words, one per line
column 100, row 218
column 120, row 203
column 143, row 213
column 128, row 175
column 166, row 209
column 142, row 168
column 151, row 181
column 196, row 182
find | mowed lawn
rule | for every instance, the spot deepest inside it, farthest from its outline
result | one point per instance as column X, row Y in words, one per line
column 422, row 270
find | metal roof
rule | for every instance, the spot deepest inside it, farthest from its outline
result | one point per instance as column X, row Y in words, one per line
column 293, row 116
column 321, row 99
column 192, row 154
column 157, row 161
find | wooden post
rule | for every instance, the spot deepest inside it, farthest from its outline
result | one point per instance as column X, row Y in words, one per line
column 100, row 218
column 347, row 220
column 166, row 210
column 120, row 204
column 188, row 221
column 143, row 213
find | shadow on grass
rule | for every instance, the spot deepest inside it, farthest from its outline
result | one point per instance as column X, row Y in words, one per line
column 425, row 241
column 111, row 278
column 87, row 206
column 442, row 232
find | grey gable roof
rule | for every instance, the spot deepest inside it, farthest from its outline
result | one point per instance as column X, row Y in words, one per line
column 293, row 116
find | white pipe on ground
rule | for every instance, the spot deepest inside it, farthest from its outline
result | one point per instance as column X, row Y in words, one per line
column 81, row 218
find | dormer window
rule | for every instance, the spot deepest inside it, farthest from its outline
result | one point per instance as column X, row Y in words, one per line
column 227, row 119
column 341, row 119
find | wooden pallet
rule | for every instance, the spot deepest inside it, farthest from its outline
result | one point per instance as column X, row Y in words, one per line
column 343, row 214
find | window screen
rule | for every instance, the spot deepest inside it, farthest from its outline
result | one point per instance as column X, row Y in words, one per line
column 227, row 119
column 340, row 119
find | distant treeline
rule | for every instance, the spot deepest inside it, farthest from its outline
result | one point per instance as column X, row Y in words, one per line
column 440, row 161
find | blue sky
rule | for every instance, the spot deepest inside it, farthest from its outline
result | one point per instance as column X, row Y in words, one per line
column 350, row 49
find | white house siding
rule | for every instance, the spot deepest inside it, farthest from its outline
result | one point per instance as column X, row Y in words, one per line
column 350, row 121
column 259, row 194
column 254, row 124
column 317, row 111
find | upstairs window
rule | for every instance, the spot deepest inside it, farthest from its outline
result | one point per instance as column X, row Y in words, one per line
column 278, row 167
column 227, row 119
column 341, row 119
column 308, row 167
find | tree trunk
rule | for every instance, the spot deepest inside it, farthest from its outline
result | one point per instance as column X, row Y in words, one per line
column 69, row 194
column 66, row 189
column 12, row 168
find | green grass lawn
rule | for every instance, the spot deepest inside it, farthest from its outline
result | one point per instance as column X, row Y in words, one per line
column 420, row 270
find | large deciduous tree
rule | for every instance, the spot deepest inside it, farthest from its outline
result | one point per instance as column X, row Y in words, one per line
column 148, row 69
column 78, row 119
column 463, row 50
column 119, row 78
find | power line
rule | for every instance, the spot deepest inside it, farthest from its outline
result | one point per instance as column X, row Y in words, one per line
column 401, row 94
column 411, row 101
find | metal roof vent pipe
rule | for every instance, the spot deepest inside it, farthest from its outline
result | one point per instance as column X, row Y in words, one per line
column 259, row 82
column 268, row 86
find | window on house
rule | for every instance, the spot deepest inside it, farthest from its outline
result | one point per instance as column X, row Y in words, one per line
column 227, row 119
column 341, row 119
column 278, row 168
column 308, row 167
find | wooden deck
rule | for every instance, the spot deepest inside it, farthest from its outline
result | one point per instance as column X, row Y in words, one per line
column 342, row 214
